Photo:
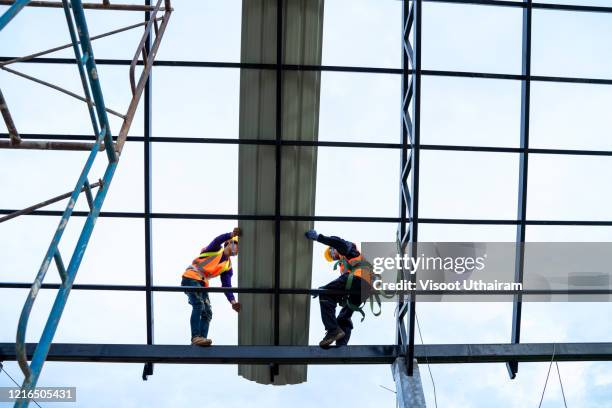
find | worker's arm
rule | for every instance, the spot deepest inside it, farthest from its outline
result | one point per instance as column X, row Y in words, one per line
column 343, row 247
column 226, row 282
column 216, row 243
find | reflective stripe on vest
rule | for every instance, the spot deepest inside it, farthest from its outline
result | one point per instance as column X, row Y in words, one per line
column 361, row 270
column 209, row 265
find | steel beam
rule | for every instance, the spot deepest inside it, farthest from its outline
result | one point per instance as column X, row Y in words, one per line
column 521, row 227
column 50, row 201
column 69, row 45
column 326, row 68
column 320, row 143
column 60, row 89
column 304, row 291
column 148, row 198
column 47, row 145
column 373, row 354
column 274, row 369
column 87, row 6
column 201, row 216
column 543, row 6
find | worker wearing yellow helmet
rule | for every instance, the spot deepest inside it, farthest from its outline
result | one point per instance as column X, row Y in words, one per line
column 354, row 277
column 214, row 260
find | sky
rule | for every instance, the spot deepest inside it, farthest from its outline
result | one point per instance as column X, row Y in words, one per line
column 204, row 102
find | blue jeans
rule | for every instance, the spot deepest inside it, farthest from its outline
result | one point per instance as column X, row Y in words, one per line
column 201, row 312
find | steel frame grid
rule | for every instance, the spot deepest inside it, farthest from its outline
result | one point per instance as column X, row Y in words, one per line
column 403, row 146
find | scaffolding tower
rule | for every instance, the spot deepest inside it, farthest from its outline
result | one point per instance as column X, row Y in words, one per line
column 104, row 141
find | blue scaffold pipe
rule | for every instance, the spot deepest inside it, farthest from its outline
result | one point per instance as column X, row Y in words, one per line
column 42, row 349
column 92, row 72
column 27, row 307
column 13, row 10
column 80, row 61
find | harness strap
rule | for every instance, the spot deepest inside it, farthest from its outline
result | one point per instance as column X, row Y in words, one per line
column 349, row 284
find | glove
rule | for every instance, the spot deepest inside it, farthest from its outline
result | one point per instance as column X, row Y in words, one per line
column 236, row 232
column 312, row 234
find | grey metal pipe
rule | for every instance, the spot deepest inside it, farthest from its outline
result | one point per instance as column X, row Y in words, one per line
column 8, row 119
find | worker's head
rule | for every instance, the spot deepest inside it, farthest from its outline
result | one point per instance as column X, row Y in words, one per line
column 330, row 254
column 231, row 247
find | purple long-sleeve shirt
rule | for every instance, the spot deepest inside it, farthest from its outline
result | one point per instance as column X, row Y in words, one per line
column 226, row 277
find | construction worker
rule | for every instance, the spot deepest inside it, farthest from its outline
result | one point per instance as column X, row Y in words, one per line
column 214, row 260
column 354, row 277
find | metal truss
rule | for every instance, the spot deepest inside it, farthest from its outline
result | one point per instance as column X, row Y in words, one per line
column 408, row 226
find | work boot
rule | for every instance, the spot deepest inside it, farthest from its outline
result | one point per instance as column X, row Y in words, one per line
column 201, row 341
column 330, row 337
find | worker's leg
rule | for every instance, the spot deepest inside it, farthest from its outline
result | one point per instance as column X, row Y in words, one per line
column 359, row 294
column 328, row 303
column 196, row 301
column 345, row 323
column 206, row 315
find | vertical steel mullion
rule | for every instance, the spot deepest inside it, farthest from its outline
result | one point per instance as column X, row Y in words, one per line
column 416, row 153
column 148, row 93
column 278, row 156
column 523, row 167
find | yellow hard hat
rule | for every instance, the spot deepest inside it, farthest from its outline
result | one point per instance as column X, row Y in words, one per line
column 327, row 254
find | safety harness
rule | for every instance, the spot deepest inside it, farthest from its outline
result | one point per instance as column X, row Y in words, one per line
column 373, row 296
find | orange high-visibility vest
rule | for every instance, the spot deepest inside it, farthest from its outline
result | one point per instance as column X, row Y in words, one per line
column 207, row 266
column 357, row 267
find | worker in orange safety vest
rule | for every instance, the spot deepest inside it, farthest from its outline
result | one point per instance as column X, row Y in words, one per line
column 214, row 260
column 355, row 277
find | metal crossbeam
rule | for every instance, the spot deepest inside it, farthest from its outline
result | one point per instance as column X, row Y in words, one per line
column 26, row 58
column 87, row 6
column 320, row 143
column 330, row 68
column 50, row 201
column 59, row 89
column 372, row 354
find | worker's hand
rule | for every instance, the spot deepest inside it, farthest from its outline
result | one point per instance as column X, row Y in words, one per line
column 236, row 305
column 312, row 234
column 236, row 232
